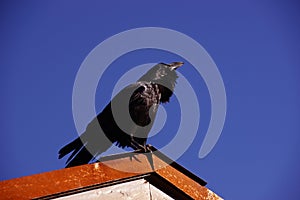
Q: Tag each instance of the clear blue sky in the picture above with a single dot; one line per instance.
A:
(255, 45)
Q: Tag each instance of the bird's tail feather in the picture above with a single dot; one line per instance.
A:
(79, 156)
(82, 157)
(74, 145)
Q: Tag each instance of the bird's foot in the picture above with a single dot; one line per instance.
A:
(137, 148)
(148, 148)
(144, 148)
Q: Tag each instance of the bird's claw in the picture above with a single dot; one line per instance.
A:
(145, 148)
(148, 148)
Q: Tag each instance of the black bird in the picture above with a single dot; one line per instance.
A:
(127, 119)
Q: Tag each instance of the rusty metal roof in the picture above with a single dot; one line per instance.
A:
(155, 167)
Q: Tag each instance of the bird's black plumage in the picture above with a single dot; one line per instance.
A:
(127, 119)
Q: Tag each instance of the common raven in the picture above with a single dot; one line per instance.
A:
(127, 119)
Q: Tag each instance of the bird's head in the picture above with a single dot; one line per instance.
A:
(162, 72)
(174, 65)
(164, 75)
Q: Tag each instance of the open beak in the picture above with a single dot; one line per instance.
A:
(175, 65)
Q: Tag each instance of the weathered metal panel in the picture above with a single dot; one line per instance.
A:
(104, 174)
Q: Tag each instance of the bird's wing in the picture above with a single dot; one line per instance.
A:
(142, 100)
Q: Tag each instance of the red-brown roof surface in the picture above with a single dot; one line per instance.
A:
(110, 170)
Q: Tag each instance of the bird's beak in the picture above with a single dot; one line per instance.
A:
(175, 65)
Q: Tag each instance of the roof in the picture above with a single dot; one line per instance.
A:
(154, 167)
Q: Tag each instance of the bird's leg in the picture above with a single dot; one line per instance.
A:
(137, 147)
